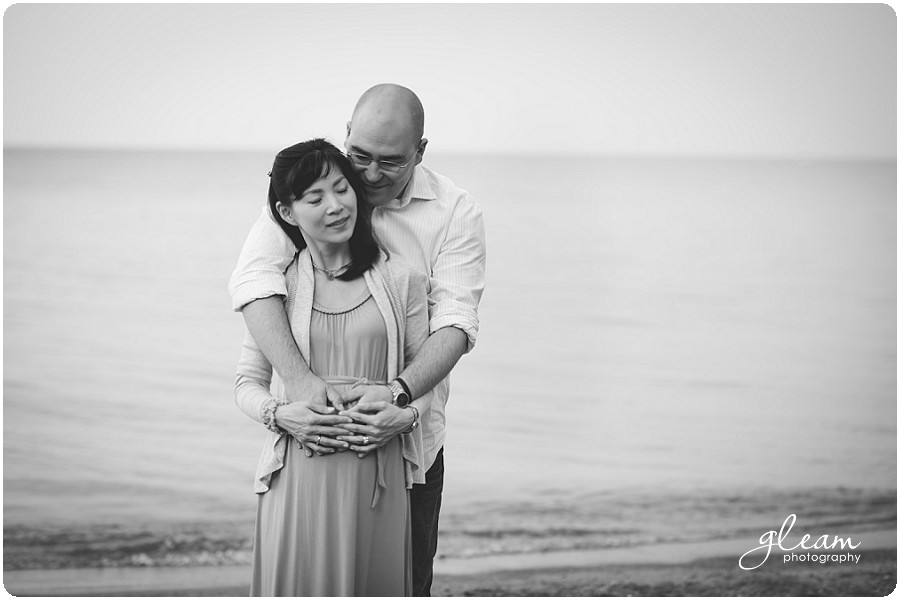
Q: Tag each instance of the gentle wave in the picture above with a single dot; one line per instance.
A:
(554, 524)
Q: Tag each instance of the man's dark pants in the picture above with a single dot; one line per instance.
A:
(425, 507)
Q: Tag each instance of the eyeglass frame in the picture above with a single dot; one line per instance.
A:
(381, 164)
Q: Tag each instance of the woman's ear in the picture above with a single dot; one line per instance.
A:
(286, 214)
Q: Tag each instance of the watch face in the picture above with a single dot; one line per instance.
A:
(401, 398)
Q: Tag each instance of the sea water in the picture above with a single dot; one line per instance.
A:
(706, 340)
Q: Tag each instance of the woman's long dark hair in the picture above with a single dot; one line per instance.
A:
(295, 169)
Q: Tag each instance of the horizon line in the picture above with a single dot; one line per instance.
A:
(784, 156)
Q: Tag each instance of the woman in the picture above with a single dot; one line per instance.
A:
(335, 525)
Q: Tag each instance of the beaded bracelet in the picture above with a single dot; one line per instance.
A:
(268, 414)
(415, 422)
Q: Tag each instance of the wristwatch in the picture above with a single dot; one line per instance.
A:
(399, 393)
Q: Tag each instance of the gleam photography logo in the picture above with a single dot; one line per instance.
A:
(772, 538)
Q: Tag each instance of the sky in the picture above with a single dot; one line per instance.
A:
(801, 80)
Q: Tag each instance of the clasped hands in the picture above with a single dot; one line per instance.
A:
(362, 418)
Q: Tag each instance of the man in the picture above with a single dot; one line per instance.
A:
(438, 229)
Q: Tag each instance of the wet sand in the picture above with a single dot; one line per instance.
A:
(654, 572)
(875, 575)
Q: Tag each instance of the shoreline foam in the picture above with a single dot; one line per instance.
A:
(589, 523)
(566, 573)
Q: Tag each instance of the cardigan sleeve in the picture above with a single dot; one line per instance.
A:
(253, 380)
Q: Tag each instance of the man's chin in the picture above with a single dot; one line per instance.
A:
(378, 196)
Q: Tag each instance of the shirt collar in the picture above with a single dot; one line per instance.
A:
(416, 189)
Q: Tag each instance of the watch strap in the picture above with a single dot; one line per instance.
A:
(405, 387)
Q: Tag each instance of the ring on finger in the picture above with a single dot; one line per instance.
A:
(318, 439)
(365, 440)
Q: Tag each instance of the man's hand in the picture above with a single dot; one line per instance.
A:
(314, 394)
(316, 427)
(313, 391)
(366, 394)
(376, 420)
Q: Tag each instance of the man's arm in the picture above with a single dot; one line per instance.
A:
(436, 358)
(458, 275)
(457, 283)
(377, 417)
(252, 393)
(259, 272)
(257, 285)
(268, 324)
(307, 417)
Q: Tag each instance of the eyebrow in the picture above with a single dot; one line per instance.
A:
(319, 190)
(393, 157)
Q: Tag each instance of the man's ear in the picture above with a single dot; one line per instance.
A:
(420, 152)
(286, 214)
(348, 129)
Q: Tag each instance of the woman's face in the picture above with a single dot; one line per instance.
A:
(326, 212)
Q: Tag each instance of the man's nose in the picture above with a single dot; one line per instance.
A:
(372, 172)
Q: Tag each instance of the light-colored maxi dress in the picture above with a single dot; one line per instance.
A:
(330, 525)
(337, 525)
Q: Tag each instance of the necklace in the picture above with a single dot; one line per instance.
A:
(331, 273)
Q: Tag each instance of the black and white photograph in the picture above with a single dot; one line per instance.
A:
(412, 299)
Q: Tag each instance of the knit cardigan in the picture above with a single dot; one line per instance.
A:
(401, 296)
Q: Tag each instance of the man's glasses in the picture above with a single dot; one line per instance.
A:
(388, 166)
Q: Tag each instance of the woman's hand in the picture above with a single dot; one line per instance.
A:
(316, 427)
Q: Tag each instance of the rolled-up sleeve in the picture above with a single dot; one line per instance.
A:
(414, 447)
(457, 279)
(260, 268)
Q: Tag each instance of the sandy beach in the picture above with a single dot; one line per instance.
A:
(875, 575)
(706, 569)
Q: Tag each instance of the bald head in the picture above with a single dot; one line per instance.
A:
(391, 105)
